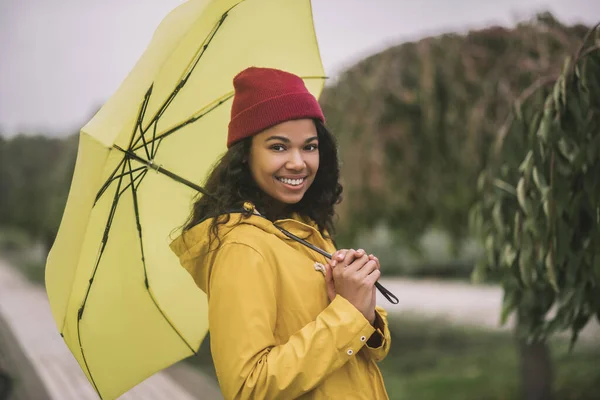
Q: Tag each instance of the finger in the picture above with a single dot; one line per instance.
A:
(369, 267)
(338, 266)
(349, 257)
(340, 255)
(357, 264)
(328, 273)
(373, 277)
(372, 257)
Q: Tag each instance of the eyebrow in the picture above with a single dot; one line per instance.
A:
(286, 140)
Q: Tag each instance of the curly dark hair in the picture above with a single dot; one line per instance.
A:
(231, 184)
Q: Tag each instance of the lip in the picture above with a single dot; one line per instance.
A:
(293, 188)
(292, 177)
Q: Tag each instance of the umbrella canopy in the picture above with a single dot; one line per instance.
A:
(124, 306)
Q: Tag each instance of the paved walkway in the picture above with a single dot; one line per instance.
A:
(25, 309)
(18, 379)
(457, 302)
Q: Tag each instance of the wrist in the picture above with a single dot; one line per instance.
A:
(371, 318)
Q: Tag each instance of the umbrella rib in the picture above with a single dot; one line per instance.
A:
(146, 282)
(158, 142)
(141, 115)
(159, 169)
(140, 119)
(188, 73)
(153, 139)
(188, 121)
(85, 361)
(108, 182)
(112, 179)
(137, 179)
(91, 281)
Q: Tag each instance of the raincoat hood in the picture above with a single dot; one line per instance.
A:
(196, 252)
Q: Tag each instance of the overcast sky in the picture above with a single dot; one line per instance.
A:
(61, 59)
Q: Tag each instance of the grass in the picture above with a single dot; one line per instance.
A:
(436, 360)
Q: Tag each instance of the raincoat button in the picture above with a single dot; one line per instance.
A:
(320, 267)
(363, 338)
(350, 352)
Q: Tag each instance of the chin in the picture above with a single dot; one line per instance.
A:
(290, 200)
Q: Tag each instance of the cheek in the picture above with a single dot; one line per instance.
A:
(263, 167)
(313, 163)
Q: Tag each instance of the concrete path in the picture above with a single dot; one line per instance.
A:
(457, 302)
(23, 382)
(25, 309)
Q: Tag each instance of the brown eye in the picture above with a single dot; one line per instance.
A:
(312, 147)
(277, 147)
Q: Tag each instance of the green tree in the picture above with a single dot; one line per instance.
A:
(35, 175)
(415, 123)
(539, 208)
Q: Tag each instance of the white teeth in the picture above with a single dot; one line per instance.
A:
(293, 182)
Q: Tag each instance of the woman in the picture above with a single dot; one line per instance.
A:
(285, 322)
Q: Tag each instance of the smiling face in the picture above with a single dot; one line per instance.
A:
(284, 159)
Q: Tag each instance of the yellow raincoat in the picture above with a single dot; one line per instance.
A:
(274, 332)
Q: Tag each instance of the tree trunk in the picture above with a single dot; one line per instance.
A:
(536, 370)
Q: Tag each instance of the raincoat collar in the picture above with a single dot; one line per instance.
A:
(194, 248)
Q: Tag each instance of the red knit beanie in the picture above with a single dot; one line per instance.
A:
(265, 97)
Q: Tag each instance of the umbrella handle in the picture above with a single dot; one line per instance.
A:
(384, 292)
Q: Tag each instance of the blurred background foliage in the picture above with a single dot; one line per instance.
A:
(415, 125)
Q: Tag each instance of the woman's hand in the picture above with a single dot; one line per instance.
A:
(354, 274)
(339, 256)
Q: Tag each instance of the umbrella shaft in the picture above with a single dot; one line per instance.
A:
(158, 168)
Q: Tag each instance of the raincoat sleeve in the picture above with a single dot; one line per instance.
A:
(249, 362)
(378, 345)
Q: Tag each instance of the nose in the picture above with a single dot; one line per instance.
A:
(295, 162)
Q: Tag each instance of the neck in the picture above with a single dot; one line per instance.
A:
(275, 210)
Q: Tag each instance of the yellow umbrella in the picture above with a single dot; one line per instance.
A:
(124, 306)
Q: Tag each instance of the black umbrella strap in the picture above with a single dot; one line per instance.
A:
(385, 293)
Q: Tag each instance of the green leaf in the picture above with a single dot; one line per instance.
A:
(551, 271)
(556, 93)
(509, 304)
(539, 180)
(479, 273)
(500, 184)
(527, 164)
(497, 217)
(546, 207)
(489, 249)
(544, 131)
(509, 255)
(526, 261)
(517, 229)
(521, 193)
(518, 111)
